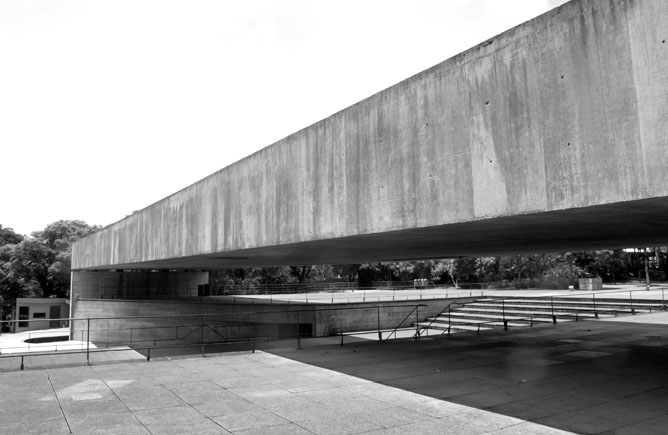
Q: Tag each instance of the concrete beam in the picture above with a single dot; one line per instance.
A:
(552, 135)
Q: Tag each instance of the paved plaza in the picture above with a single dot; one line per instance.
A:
(583, 377)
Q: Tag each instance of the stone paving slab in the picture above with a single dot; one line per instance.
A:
(589, 377)
(208, 396)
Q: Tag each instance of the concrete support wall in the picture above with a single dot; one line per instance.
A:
(566, 111)
(137, 284)
(155, 322)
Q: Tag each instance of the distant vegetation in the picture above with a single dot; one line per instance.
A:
(547, 271)
(38, 265)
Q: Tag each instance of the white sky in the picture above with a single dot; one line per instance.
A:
(109, 106)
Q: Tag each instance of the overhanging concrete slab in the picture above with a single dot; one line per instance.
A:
(551, 136)
(635, 223)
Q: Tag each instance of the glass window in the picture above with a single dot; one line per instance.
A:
(24, 314)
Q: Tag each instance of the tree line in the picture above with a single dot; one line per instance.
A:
(544, 270)
(38, 265)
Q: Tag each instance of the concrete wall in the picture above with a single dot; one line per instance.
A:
(137, 284)
(149, 323)
(566, 111)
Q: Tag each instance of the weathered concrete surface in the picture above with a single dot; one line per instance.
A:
(136, 284)
(550, 136)
(141, 323)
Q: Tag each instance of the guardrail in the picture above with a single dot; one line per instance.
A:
(364, 295)
(565, 296)
(205, 332)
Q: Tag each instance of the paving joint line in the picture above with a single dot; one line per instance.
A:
(265, 409)
(192, 407)
(60, 405)
(119, 399)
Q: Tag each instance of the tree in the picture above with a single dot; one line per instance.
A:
(611, 262)
(347, 271)
(404, 270)
(456, 268)
(30, 261)
(12, 285)
(9, 237)
(38, 265)
(486, 268)
(60, 235)
(301, 272)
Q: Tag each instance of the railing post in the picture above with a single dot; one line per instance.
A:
(449, 318)
(299, 339)
(554, 318)
(22, 366)
(88, 341)
(417, 322)
(201, 335)
(380, 336)
(593, 296)
(148, 354)
(633, 311)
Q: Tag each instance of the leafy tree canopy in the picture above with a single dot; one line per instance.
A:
(38, 265)
(8, 236)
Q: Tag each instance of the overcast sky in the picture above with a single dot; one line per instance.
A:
(109, 106)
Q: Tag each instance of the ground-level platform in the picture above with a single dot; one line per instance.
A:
(585, 377)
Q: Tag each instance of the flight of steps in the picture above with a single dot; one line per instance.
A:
(512, 312)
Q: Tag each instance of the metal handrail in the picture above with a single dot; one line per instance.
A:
(566, 296)
(187, 327)
(447, 308)
(394, 331)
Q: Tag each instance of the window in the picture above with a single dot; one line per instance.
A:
(39, 315)
(24, 314)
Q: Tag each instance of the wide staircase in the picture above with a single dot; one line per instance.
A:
(508, 312)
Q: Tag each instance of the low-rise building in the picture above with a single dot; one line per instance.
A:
(41, 313)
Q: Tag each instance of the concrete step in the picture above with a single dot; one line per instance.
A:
(527, 308)
(466, 317)
(454, 328)
(576, 302)
(490, 313)
(560, 307)
(520, 313)
(475, 323)
(545, 311)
